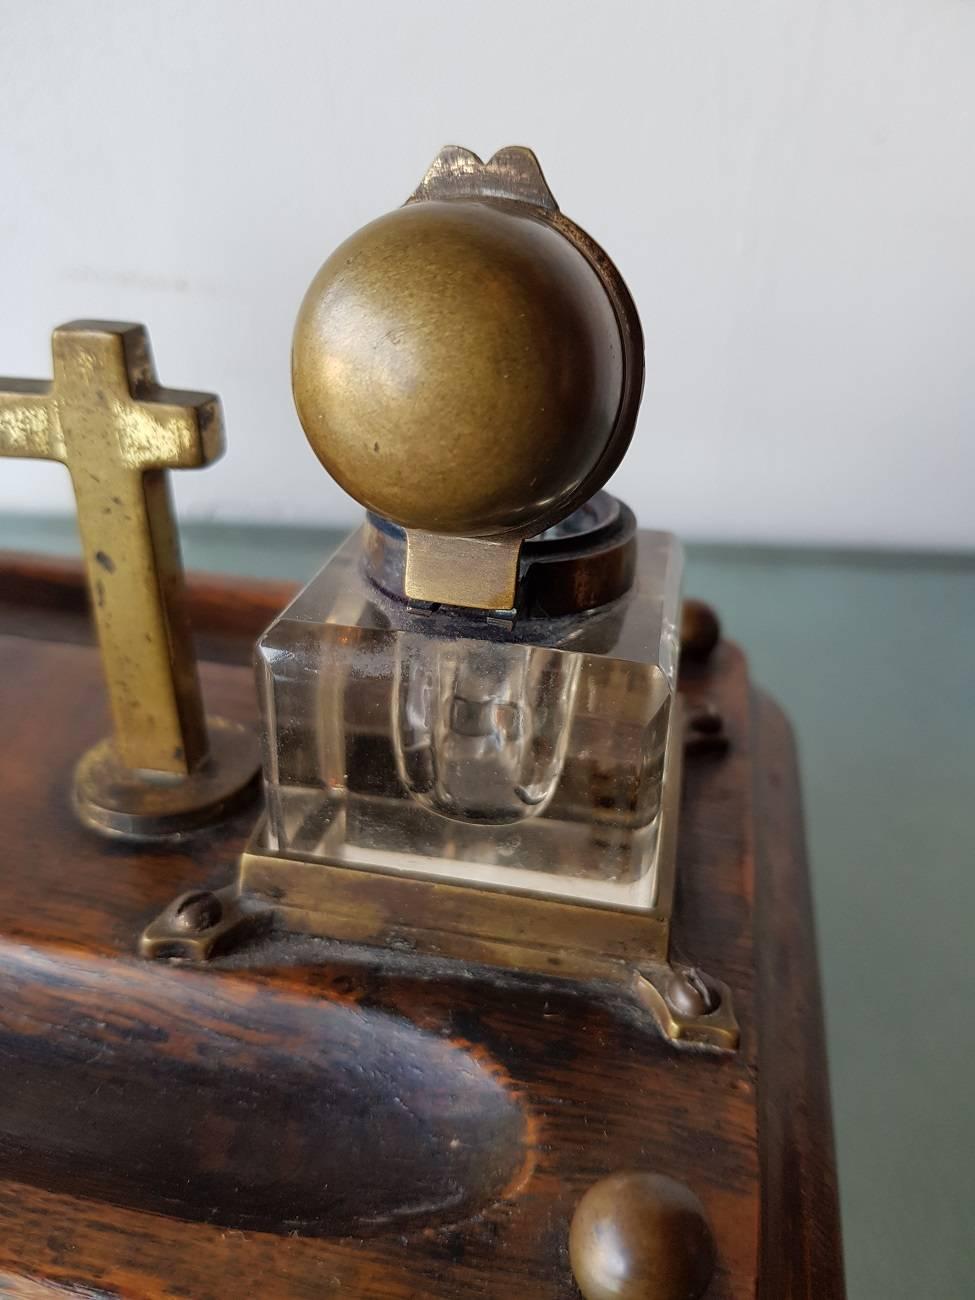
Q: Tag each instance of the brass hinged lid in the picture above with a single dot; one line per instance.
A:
(470, 367)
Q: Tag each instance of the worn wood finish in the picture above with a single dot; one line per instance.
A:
(301, 1121)
(800, 1201)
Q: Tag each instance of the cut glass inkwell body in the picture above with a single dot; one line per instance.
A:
(522, 755)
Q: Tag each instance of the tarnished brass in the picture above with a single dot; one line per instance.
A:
(470, 367)
(599, 946)
(512, 173)
(641, 1236)
(197, 926)
(481, 569)
(137, 803)
(107, 419)
(587, 561)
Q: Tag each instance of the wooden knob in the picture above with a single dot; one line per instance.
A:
(641, 1236)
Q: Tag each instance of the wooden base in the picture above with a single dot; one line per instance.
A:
(298, 1119)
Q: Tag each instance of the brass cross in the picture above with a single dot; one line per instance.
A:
(105, 417)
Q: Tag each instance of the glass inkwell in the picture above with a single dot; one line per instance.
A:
(472, 733)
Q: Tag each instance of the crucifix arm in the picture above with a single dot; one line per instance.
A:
(28, 420)
(168, 428)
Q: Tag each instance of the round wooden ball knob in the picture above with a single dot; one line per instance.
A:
(458, 368)
(641, 1236)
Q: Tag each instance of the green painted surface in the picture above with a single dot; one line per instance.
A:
(872, 657)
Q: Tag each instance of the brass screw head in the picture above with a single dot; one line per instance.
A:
(458, 367)
(641, 1236)
(689, 995)
(197, 911)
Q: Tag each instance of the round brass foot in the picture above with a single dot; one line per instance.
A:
(119, 802)
(641, 1236)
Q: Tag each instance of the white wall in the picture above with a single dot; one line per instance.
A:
(788, 187)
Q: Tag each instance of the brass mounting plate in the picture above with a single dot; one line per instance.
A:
(432, 918)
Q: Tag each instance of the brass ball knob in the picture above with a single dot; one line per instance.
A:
(641, 1236)
(458, 367)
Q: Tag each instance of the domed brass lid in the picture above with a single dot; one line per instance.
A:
(470, 367)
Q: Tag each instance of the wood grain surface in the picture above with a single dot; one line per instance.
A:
(299, 1120)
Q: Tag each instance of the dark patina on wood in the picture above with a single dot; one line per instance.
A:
(302, 1120)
